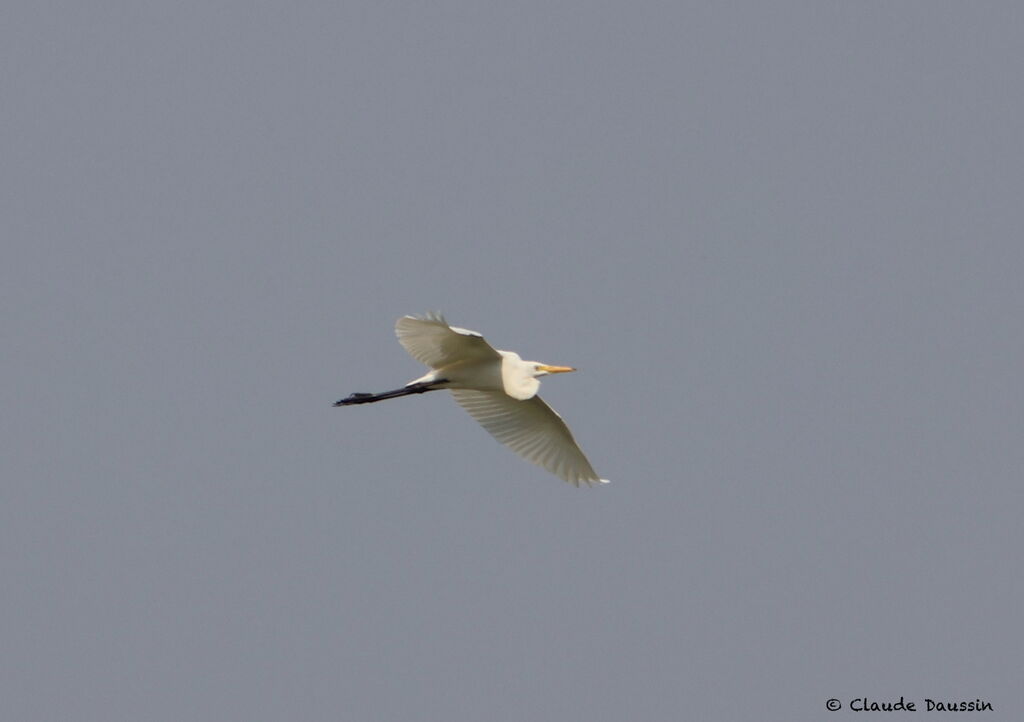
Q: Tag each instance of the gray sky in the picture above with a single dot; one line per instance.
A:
(782, 242)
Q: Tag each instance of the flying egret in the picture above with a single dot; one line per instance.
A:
(497, 388)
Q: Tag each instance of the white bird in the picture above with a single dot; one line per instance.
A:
(497, 388)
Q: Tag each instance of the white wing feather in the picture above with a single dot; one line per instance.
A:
(532, 429)
(430, 340)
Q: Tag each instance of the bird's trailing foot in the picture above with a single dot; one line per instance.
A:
(368, 398)
(356, 398)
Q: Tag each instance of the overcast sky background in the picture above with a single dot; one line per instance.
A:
(783, 242)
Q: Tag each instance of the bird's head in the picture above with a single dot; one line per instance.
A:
(521, 378)
(539, 369)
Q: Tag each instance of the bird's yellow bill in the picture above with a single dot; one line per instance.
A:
(556, 369)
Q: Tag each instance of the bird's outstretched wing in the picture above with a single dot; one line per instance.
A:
(430, 340)
(532, 429)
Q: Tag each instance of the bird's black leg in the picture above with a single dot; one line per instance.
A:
(365, 398)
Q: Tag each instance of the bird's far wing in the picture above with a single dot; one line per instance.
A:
(430, 340)
(532, 429)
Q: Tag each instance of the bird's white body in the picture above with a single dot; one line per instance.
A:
(505, 376)
(497, 388)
